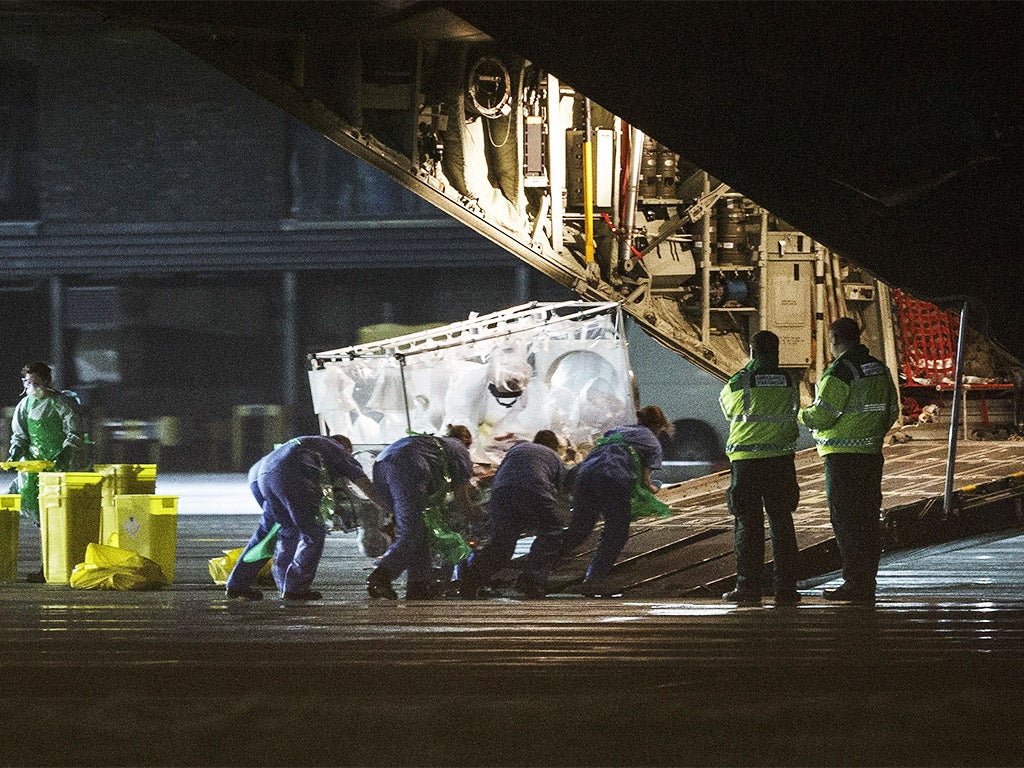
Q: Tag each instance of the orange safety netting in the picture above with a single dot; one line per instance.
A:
(928, 338)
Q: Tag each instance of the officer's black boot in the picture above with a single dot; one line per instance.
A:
(378, 584)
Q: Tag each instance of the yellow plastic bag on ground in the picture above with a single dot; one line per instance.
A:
(115, 568)
(27, 465)
(221, 567)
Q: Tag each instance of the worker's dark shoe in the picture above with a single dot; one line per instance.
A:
(468, 588)
(451, 589)
(378, 584)
(599, 588)
(842, 594)
(419, 590)
(244, 594)
(36, 578)
(309, 594)
(529, 589)
(787, 597)
(741, 598)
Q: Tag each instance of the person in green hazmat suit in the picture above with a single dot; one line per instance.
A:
(47, 425)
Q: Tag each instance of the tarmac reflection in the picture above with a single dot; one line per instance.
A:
(931, 675)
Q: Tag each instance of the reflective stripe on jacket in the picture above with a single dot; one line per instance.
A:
(854, 405)
(760, 402)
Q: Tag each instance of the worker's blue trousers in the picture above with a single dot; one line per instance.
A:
(514, 511)
(403, 484)
(600, 493)
(294, 502)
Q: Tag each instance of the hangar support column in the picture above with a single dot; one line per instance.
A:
(290, 356)
(58, 356)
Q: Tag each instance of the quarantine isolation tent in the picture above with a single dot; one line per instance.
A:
(560, 366)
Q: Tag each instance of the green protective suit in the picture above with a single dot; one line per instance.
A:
(42, 428)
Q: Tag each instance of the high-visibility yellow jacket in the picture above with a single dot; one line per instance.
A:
(854, 405)
(761, 403)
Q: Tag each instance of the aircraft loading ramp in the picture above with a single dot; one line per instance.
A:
(691, 552)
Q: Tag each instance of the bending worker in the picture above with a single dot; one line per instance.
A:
(854, 406)
(407, 474)
(761, 402)
(523, 497)
(288, 484)
(603, 487)
(47, 425)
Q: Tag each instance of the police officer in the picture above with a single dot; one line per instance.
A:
(761, 402)
(855, 405)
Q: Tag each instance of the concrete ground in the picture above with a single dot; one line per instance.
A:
(933, 675)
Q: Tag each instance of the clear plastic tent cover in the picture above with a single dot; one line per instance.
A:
(559, 366)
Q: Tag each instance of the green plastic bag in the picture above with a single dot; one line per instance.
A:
(327, 494)
(265, 548)
(443, 540)
(449, 544)
(642, 502)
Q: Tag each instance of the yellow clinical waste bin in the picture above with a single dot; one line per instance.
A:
(69, 520)
(10, 513)
(121, 479)
(148, 524)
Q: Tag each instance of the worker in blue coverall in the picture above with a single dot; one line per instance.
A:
(288, 483)
(603, 487)
(523, 497)
(406, 474)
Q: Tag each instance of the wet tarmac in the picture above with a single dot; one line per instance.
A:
(932, 675)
